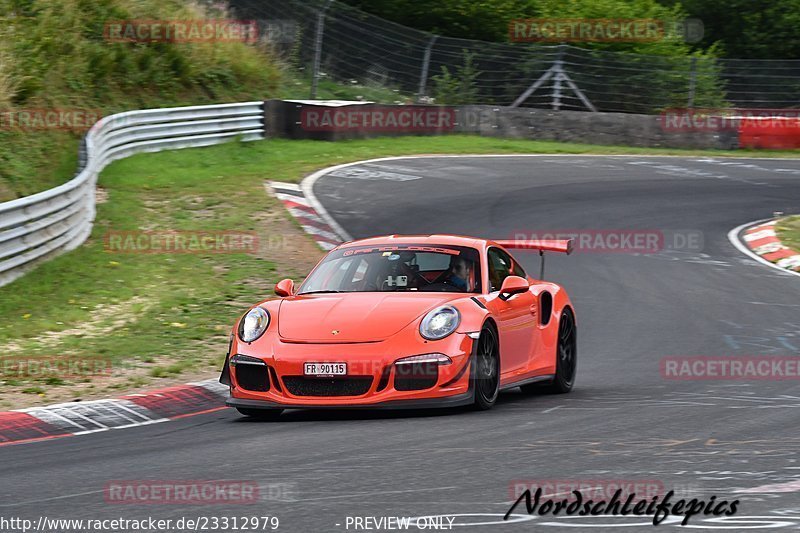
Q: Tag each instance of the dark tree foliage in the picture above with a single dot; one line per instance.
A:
(749, 29)
(738, 28)
(485, 20)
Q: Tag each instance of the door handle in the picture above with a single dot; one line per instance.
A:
(533, 309)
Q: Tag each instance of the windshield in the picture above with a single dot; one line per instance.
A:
(397, 268)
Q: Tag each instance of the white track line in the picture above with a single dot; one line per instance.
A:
(308, 190)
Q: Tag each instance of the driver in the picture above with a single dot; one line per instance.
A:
(459, 274)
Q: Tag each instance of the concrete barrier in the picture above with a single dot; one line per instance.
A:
(321, 121)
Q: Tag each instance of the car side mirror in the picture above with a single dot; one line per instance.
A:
(513, 285)
(285, 287)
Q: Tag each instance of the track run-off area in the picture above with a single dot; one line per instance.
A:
(626, 421)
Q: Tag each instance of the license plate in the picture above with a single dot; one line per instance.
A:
(325, 369)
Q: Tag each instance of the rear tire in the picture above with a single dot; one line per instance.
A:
(566, 354)
(486, 371)
(566, 359)
(260, 414)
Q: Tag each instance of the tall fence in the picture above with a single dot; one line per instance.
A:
(339, 42)
(42, 225)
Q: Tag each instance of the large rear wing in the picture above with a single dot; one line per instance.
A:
(550, 245)
(563, 246)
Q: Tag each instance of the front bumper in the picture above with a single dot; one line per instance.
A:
(373, 380)
(457, 400)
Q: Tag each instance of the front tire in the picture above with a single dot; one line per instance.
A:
(260, 414)
(486, 373)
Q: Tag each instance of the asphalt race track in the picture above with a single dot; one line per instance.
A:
(623, 421)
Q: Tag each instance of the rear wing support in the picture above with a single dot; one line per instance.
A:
(554, 245)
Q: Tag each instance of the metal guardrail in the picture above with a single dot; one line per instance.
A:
(42, 225)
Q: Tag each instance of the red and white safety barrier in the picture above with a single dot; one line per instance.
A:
(78, 418)
(762, 240)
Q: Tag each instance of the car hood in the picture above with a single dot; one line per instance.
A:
(355, 317)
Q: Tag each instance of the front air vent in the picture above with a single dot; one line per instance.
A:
(342, 386)
(415, 376)
(250, 373)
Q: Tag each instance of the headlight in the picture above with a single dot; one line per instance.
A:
(254, 324)
(440, 323)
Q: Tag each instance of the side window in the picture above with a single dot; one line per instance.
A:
(517, 269)
(500, 265)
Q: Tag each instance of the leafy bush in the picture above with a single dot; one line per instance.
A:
(53, 54)
(459, 87)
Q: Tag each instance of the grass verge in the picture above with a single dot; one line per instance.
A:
(160, 317)
(788, 230)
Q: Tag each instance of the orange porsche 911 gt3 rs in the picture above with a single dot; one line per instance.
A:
(405, 322)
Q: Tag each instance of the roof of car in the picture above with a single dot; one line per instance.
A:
(428, 240)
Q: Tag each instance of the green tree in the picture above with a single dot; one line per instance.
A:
(758, 29)
(489, 20)
(486, 20)
(459, 87)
